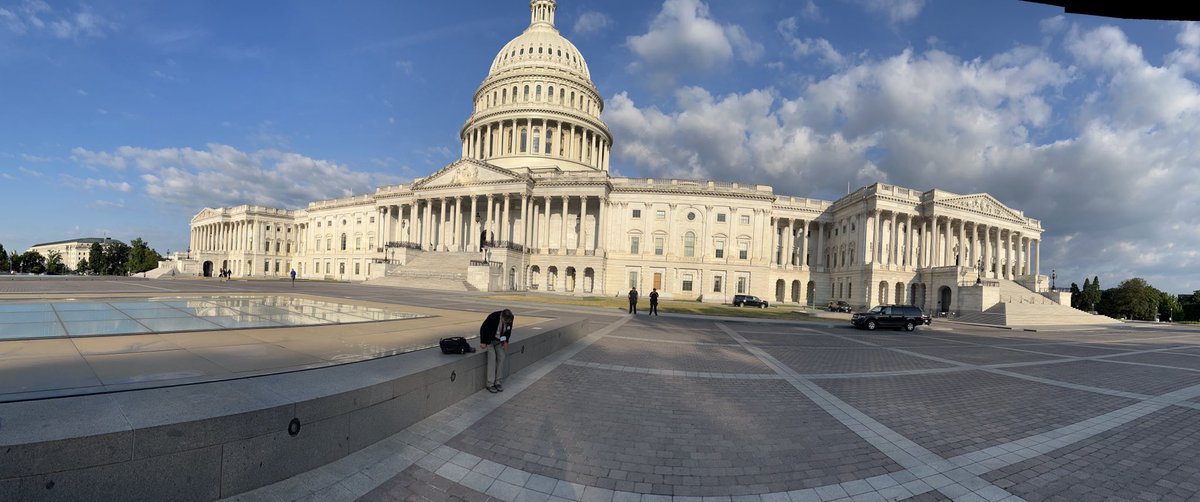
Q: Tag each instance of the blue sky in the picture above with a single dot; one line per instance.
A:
(126, 117)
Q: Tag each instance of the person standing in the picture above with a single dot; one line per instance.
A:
(633, 297)
(293, 277)
(653, 302)
(493, 340)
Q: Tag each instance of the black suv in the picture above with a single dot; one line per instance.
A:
(840, 306)
(749, 301)
(890, 316)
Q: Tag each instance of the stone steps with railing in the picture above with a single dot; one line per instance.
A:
(431, 270)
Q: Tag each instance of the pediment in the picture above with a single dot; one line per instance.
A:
(467, 172)
(986, 204)
(207, 213)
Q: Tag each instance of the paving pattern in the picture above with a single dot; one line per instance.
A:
(688, 409)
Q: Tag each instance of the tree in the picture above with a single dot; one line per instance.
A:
(30, 262)
(1169, 308)
(1133, 299)
(54, 263)
(1075, 291)
(116, 258)
(1090, 296)
(82, 267)
(4, 263)
(96, 259)
(1191, 306)
(141, 257)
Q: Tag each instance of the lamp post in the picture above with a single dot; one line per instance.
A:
(1053, 277)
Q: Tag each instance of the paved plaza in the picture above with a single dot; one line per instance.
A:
(675, 408)
(687, 408)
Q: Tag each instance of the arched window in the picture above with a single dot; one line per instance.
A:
(537, 96)
(524, 139)
(550, 94)
(572, 99)
(549, 142)
(526, 93)
(561, 94)
(504, 96)
(343, 242)
(537, 136)
(689, 244)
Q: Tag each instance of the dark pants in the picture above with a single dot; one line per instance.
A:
(653, 308)
(633, 307)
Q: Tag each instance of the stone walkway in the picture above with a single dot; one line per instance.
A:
(691, 410)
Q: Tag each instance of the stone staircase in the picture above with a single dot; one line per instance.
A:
(1021, 307)
(431, 270)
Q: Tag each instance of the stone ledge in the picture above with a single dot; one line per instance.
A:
(204, 441)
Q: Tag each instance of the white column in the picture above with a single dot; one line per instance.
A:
(562, 246)
(1037, 258)
(602, 239)
(803, 248)
(506, 224)
(524, 220)
(580, 246)
(987, 251)
(487, 222)
(544, 226)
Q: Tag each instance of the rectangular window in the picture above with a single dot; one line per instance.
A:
(658, 246)
(356, 265)
(637, 213)
(660, 214)
(658, 280)
(745, 219)
(357, 243)
(720, 249)
(716, 284)
(687, 282)
(743, 250)
(741, 286)
(372, 219)
(317, 267)
(266, 265)
(276, 266)
(371, 243)
(633, 279)
(633, 245)
(720, 217)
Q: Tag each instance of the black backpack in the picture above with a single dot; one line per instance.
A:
(455, 345)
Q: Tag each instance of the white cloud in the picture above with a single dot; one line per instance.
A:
(29, 172)
(897, 11)
(97, 159)
(108, 204)
(95, 184)
(811, 12)
(809, 46)
(405, 66)
(1114, 178)
(684, 38)
(37, 16)
(222, 175)
(591, 22)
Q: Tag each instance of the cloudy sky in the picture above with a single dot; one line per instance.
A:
(124, 118)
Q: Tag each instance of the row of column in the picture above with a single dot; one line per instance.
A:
(531, 136)
(792, 245)
(224, 236)
(449, 223)
(944, 241)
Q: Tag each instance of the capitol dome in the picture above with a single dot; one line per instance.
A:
(538, 108)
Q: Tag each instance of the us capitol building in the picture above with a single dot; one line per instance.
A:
(533, 187)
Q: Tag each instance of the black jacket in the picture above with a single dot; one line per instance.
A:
(487, 331)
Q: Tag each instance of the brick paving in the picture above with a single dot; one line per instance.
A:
(1157, 458)
(956, 413)
(710, 358)
(849, 360)
(1116, 376)
(682, 436)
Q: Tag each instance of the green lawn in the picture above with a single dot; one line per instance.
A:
(665, 306)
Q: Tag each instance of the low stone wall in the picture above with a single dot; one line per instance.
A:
(206, 441)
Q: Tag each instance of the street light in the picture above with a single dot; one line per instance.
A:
(1053, 276)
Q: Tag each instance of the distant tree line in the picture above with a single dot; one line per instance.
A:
(110, 258)
(1135, 299)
